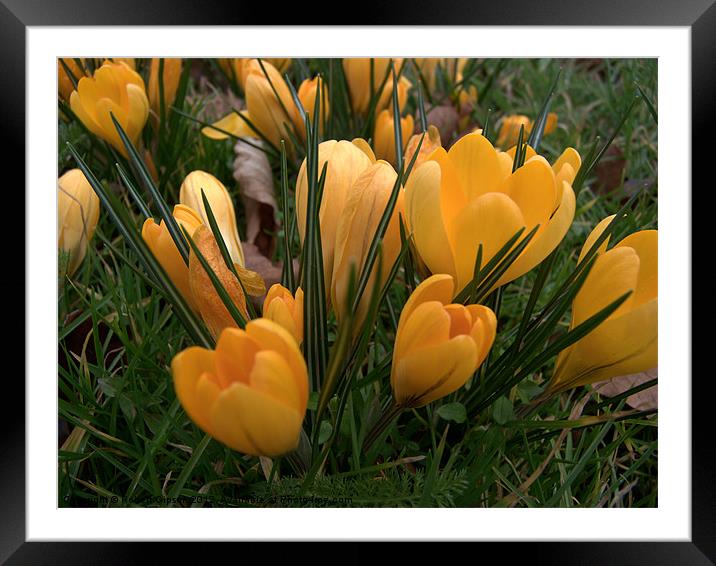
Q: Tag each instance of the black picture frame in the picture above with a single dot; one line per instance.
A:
(699, 15)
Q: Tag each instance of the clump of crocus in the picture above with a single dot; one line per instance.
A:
(510, 128)
(113, 89)
(250, 393)
(626, 342)
(469, 195)
(438, 345)
(384, 135)
(77, 216)
(286, 310)
(171, 73)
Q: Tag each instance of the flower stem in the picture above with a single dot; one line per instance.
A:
(390, 413)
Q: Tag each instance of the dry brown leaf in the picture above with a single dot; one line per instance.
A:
(271, 272)
(445, 119)
(253, 173)
(644, 400)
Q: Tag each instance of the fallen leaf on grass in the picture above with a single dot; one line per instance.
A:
(643, 400)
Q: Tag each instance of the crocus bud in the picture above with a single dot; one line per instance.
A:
(65, 86)
(162, 246)
(357, 223)
(438, 345)
(626, 342)
(250, 393)
(285, 309)
(171, 73)
(428, 67)
(273, 116)
(358, 76)
(115, 89)
(221, 205)
(307, 95)
(77, 215)
(346, 161)
(481, 201)
(431, 142)
(210, 305)
(386, 97)
(510, 128)
(384, 136)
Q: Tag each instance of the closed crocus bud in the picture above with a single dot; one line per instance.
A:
(428, 67)
(171, 73)
(469, 196)
(282, 64)
(162, 246)
(386, 97)
(358, 76)
(357, 224)
(626, 342)
(307, 95)
(250, 393)
(346, 161)
(77, 215)
(221, 205)
(273, 116)
(430, 143)
(115, 89)
(210, 305)
(438, 345)
(65, 85)
(286, 310)
(384, 136)
(510, 128)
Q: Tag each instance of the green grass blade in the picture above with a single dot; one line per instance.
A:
(541, 121)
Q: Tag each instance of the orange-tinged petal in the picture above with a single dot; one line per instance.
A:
(272, 337)
(211, 307)
(439, 287)
(254, 423)
(484, 329)
(427, 325)
(235, 354)
(434, 371)
(188, 367)
(460, 320)
(272, 375)
(570, 156)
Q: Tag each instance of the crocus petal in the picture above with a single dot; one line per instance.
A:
(490, 220)
(476, 164)
(644, 243)
(235, 353)
(254, 423)
(272, 375)
(424, 219)
(427, 325)
(533, 188)
(187, 368)
(231, 123)
(593, 236)
(434, 371)
(439, 287)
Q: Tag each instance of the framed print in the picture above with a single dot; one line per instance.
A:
(302, 287)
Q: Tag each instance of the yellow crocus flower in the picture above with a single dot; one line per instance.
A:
(117, 89)
(162, 246)
(627, 341)
(384, 135)
(358, 76)
(65, 86)
(307, 95)
(250, 393)
(357, 223)
(346, 161)
(510, 128)
(77, 216)
(221, 205)
(171, 73)
(468, 196)
(438, 345)
(285, 310)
